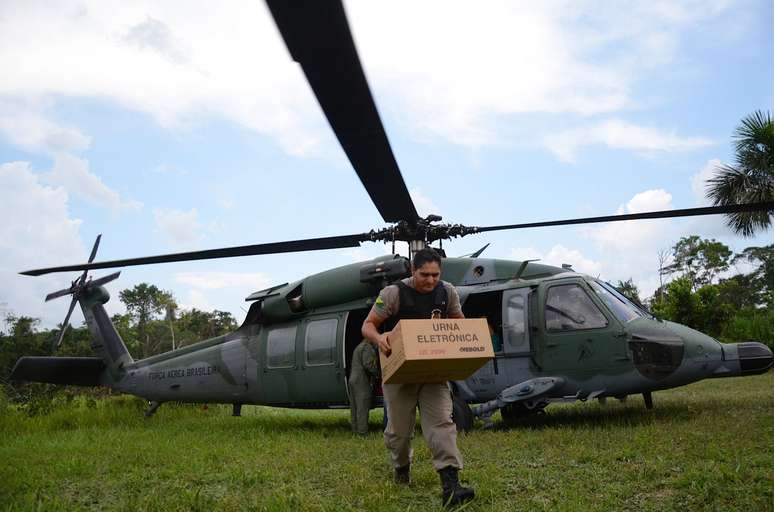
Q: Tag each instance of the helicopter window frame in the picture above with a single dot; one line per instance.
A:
(331, 347)
(617, 303)
(576, 320)
(278, 337)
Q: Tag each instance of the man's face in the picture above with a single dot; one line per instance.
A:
(426, 277)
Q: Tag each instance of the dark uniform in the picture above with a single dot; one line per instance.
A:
(362, 375)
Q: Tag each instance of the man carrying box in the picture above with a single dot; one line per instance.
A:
(421, 296)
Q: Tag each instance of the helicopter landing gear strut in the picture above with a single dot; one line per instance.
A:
(648, 397)
(513, 413)
(237, 411)
(152, 407)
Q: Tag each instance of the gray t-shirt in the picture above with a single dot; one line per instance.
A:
(388, 302)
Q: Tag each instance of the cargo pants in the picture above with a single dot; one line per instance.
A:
(360, 397)
(438, 429)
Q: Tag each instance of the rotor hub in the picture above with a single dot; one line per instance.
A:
(422, 230)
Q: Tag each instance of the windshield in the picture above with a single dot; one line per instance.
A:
(621, 307)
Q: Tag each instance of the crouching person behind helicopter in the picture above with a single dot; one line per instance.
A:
(362, 377)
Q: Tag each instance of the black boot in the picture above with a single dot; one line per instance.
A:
(452, 492)
(403, 475)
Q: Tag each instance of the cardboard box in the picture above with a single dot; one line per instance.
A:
(436, 350)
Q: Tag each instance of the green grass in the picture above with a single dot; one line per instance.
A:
(708, 446)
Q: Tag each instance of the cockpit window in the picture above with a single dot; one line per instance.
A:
(569, 308)
(621, 307)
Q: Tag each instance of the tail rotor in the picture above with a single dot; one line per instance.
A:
(76, 289)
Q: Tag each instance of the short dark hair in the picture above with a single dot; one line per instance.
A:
(426, 255)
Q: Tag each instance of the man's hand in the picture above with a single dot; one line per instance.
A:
(383, 342)
(370, 331)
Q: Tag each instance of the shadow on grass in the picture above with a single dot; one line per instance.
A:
(600, 418)
(597, 415)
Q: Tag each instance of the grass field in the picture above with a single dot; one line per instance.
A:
(708, 446)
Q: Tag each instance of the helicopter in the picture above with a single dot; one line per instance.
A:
(565, 336)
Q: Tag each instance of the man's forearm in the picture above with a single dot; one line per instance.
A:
(370, 332)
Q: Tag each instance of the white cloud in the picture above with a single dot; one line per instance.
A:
(25, 127)
(526, 253)
(37, 231)
(708, 225)
(629, 249)
(557, 256)
(454, 72)
(219, 280)
(618, 134)
(179, 63)
(182, 229)
(73, 173)
(700, 179)
(424, 204)
(196, 299)
(635, 234)
(608, 263)
(157, 36)
(478, 64)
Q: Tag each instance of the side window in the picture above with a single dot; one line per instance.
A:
(515, 320)
(320, 341)
(569, 308)
(281, 347)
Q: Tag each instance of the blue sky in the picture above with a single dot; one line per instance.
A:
(185, 125)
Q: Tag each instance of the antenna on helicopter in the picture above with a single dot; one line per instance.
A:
(522, 268)
(76, 289)
(475, 254)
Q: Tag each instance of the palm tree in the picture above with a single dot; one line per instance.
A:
(751, 180)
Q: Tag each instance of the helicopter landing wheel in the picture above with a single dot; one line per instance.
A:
(462, 416)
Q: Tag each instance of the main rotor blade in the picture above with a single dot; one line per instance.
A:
(310, 244)
(317, 35)
(664, 214)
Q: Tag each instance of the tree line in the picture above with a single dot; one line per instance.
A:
(697, 290)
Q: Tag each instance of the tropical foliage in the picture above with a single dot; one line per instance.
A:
(735, 308)
(751, 178)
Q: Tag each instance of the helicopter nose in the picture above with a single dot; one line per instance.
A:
(754, 358)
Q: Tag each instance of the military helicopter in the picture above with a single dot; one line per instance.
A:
(565, 336)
